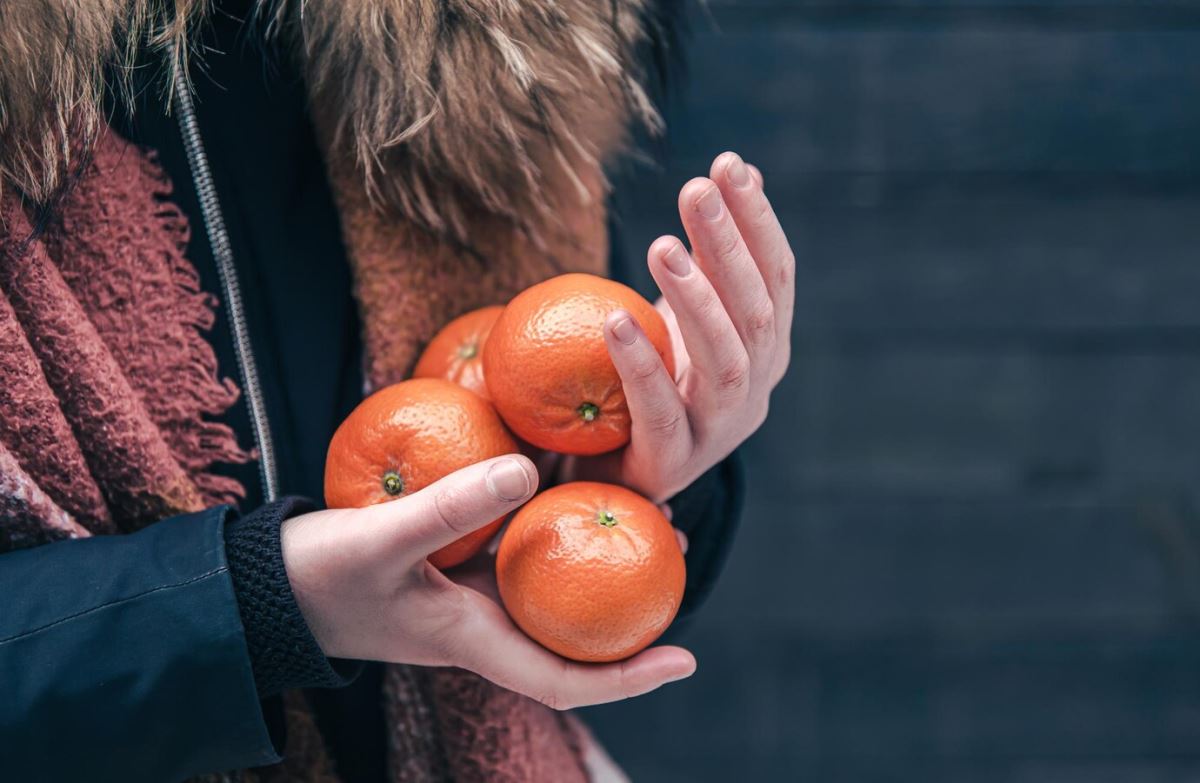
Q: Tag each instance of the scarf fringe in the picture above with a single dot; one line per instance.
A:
(156, 328)
(195, 442)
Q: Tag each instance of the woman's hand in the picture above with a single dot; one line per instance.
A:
(728, 306)
(362, 581)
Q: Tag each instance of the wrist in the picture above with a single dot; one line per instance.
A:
(306, 557)
(284, 651)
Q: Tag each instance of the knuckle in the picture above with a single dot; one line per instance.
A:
(555, 691)
(760, 326)
(727, 243)
(552, 699)
(764, 214)
(733, 377)
(452, 507)
(709, 307)
(785, 276)
(667, 424)
(645, 369)
(627, 685)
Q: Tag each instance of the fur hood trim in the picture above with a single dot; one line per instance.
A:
(448, 109)
(55, 56)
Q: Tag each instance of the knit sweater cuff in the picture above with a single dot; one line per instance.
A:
(283, 652)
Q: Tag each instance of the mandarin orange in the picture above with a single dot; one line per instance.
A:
(547, 366)
(591, 571)
(456, 352)
(406, 436)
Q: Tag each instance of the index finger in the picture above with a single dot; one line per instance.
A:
(659, 419)
(762, 233)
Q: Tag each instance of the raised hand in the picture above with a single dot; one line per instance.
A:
(729, 307)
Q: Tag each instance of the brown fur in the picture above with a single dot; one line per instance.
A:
(450, 108)
(446, 108)
(53, 60)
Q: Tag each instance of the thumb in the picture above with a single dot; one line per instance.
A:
(456, 505)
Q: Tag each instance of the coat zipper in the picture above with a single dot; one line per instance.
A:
(218, 239)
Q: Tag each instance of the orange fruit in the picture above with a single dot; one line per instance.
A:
(456, 352)
(547, 366)
(591, 571)
(406, 436)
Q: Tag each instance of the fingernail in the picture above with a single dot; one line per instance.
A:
(709, 205)
(507, 480)
(677, 261)
(625, 330)
(684, 676)
(739, 175)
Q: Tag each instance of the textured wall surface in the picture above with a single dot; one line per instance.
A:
(972, 546)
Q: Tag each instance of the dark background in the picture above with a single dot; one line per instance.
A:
(972, 548)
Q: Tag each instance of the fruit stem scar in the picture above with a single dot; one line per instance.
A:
(589, 411)
(606, 518)
(468, 351)
(392, 483)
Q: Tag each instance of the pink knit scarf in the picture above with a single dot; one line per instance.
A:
(107, 391)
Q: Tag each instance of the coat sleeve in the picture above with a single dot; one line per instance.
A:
(708, 512)
(124, 658)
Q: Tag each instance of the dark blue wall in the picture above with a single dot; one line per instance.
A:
(972, 546)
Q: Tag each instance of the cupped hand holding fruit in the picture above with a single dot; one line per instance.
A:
(728, 308)
(363, 581)
(586, 570)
